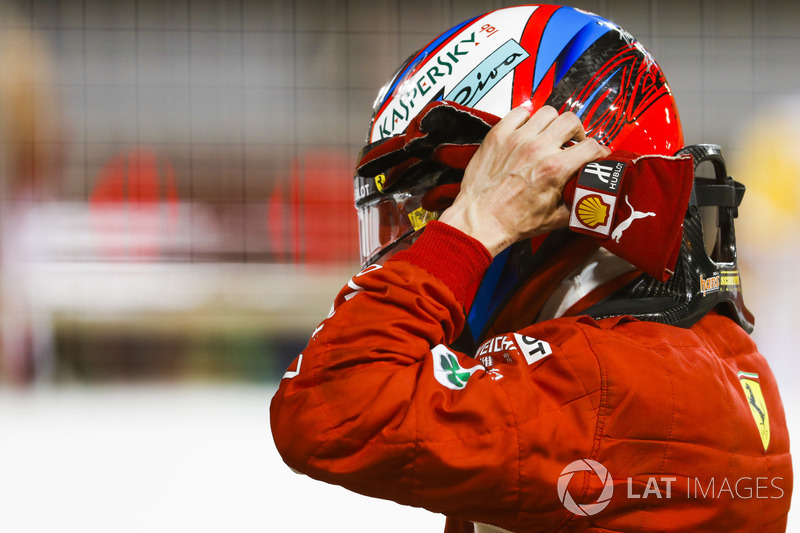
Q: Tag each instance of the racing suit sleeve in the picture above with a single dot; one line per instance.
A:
(379, 404)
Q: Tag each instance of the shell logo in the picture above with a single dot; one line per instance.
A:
(592, 211)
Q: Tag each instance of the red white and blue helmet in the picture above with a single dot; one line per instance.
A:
(531, 55)
(540, 55)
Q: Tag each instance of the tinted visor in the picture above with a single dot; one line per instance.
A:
(391, 220)
(381, 224)
(390, 212)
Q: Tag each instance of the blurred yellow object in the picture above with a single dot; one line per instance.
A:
(31, 145)
(767, 161)
(30, 129)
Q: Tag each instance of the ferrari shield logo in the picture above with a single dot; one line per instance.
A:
(752, 392)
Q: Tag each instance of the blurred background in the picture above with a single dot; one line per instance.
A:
(176, 217)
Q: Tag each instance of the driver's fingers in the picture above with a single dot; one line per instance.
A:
(577, 155)
(511, 122)
(564, 128)
(542, 119)
(520, 118)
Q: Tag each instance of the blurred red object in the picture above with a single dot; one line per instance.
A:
(311, 218)
(133, 204)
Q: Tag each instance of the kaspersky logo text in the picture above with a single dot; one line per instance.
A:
(413, 92)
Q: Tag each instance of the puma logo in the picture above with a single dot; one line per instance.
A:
(625, 224)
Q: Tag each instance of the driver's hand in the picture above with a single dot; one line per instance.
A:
(512, 186)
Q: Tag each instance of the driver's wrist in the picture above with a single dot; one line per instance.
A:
(478, 226)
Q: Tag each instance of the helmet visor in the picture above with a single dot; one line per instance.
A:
(390, 223)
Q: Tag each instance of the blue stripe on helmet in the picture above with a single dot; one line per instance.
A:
(562, 28)
(580, 43)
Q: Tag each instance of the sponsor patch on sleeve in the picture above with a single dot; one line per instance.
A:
(602, 176)
(533, 349)
(596, 195)
(448, 370)
(592, 212)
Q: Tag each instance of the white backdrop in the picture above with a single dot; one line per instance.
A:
(166, 460)
(171, 460)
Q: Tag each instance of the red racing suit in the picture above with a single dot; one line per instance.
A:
(571, 424)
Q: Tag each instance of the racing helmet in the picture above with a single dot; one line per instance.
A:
(530, 55)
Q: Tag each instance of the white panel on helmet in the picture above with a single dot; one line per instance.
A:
(498, 100)
(445, 70)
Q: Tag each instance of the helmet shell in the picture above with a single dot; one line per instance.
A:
(536, 55)
(531, 55)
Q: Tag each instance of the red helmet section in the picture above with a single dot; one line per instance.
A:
(541, 55)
